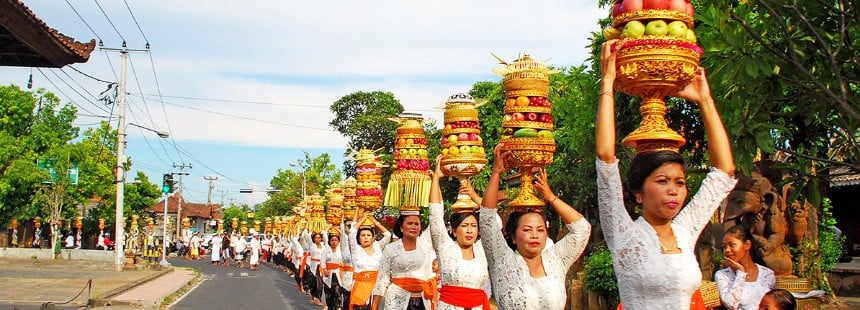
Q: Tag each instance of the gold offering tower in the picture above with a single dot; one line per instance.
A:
(527, 127)
(463, 153)
(409, 187)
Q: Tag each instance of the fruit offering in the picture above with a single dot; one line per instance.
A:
(463, 153)
(349, 188)
(527, 126)
(316, 223)
(409, 187)
(334, 211)
(658, 59)
(368, 185)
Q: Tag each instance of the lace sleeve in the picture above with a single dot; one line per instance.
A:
(386, 239)
(698, 212)
(614, 219)
(731, 286)
(570, 247)
(384, 277)
(353, 243)
(437, 226)
(344, 245)
(491, 235)
(769, 280)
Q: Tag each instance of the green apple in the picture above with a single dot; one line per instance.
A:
(678, 29)
(465, 149)
(633, 29)
(475, 149)
(656, 28)
(611, 33)
(691, 35)
(452, 139)
(545, 134)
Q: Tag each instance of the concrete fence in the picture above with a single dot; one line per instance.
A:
(69, 254)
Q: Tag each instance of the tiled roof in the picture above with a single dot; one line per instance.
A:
(189, 209)
(29, 41)
(843, 176)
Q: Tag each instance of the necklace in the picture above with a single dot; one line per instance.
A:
(669, 250)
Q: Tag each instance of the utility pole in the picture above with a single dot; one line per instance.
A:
(119, 253)
(179, 199)
(211, 180)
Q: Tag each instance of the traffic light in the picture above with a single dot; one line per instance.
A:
(167, 185)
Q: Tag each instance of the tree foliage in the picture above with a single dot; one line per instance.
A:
(318, 173)
(362, 117)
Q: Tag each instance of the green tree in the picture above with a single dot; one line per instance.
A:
(362, 117)
(319, 172)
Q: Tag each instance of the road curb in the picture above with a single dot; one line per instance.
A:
(105, 299)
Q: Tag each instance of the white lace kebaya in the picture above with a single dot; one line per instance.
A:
(455, 270)
(513, 286)
(647, 278)
(396, 262)
(738, 294)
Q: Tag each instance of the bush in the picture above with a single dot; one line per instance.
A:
(599, 275)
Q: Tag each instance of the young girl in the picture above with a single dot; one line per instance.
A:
(743, 284)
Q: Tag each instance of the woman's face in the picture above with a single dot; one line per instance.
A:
(333, 242)
(663, 192)
(734, 248)
(768, 302)
(317, 238)
(467, 232)
(365, 238)
(530, 235)
(411, 226)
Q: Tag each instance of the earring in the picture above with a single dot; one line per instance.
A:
(638, 200)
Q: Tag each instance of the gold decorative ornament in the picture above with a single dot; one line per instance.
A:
(409, 186)
(464, 204)
(527, 127)
(463, 153)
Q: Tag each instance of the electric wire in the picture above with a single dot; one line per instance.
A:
(140, 90)
(83, 20)
(145, 139)
(212, 169)
(166, 153)
(79, 84)
(163, 107)
(62, 92)
(135, 22)
(244, 101)
(245, 118)
(76, 91)
(88, 75)
(110, 21)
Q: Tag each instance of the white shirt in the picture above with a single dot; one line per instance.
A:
(398, 263)
(334, 257)
(738, 294)
(456, 270)
(513, 286)
(641, 269)
(360, 260)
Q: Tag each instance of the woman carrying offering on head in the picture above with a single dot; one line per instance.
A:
(366, 253)
(315, 267)
(745, 281)
(653, 255)
(406, 279)
(462, 262)
(331, 265)
(524, 273)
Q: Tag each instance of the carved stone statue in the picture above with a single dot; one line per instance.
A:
(755, 204)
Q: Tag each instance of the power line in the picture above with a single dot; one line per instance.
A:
(89, 76)
(79, 84)
(136, 23)
(110, 22)
(140, 90)
(161, 143)
(63, 93)
(213, 170)
(245, 101)
(145, 139)
(83, 20)
(246, 118)
(76, 91)
(163, 108)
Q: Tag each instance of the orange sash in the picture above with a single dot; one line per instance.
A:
(362, 288)
(464, 297)
(696, 302)
(302, 265)
(428, 287)
(332, 266)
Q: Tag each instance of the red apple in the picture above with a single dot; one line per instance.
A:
(463, 137)
(517, 116)
(678, 5)
(546, 118)
(655, 4)
(473, 137)
(444, 141)
(616, 9)
(628, 6)
(690, 10)
(532, 116)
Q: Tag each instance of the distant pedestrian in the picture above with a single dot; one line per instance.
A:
(195, 246)
(215, 256)
(255, 251)
(240, 251)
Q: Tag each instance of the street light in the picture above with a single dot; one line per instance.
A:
(304, 183)
(161, 134)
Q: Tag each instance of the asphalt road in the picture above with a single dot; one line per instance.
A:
(234, 288)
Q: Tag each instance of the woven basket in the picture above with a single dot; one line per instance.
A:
(710, 294)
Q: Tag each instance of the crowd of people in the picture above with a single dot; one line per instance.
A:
(471, 257)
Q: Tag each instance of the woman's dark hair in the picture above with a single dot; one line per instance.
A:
(370, 229)
(644, 164)
(512, 224)
(333, 236)
(457, 218)
(396, 229)
(743, 234)
(314, 236)
(783, 298)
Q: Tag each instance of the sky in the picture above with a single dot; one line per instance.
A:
(244, 87)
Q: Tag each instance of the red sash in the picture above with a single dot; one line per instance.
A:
(464, 297)
(302, 265)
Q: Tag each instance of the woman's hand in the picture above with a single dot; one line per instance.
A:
(698, 91)
(467, 189)
(728, 262)
(499, 159)
(437, 174)
(542, 185)
(608, 52)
